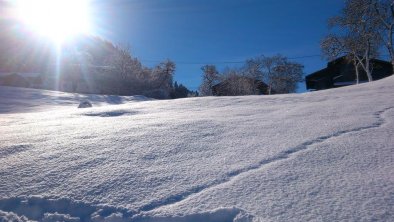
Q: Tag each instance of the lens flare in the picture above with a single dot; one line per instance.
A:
(56, 19)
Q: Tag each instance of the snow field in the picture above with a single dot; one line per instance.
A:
(319, 156)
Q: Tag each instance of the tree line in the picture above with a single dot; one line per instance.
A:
(110, 68)
(278, 74)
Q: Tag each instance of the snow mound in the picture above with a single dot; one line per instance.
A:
(85, 104)
(217, 215)
(7, 217)
(48, 217)
(22, 100)
(112, 113)
(35, 208)
(45, 209)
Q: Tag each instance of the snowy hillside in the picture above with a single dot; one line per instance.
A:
(323, 156)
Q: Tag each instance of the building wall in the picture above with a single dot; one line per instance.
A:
(341, 72)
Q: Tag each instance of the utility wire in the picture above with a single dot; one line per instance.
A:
(220, 62)
(197, 63)
(227, 62)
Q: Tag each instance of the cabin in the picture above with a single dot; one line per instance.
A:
(341, 72)
(237, 86)
(26, 80)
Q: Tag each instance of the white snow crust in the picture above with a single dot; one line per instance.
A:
(321, 156)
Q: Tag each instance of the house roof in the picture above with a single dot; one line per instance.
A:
(256, 81)
(343, 59)
(317, 75)
(260, 85)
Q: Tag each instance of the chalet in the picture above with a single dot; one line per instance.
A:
(27, 80)
(68, 81)
(341, 72)
(240, 86)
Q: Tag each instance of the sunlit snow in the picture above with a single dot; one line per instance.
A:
(322, 156)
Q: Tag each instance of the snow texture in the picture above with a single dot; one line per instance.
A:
(5, 217)
(322, 156)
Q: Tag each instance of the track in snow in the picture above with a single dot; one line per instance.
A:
(280, 157)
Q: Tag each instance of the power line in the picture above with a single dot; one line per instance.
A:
(304, 57)
(193, 63)
(221, 62)
(228, 62)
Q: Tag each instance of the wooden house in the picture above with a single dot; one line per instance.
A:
(341, 72)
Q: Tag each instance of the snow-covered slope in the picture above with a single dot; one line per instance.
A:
(17, 100)
(323, 156)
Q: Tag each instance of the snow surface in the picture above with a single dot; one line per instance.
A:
(322, 156)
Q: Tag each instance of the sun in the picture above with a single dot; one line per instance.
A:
(58, 20)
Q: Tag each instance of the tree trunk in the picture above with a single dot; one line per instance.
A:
(357, 72)
(392, 64)
(367, 62)
(390, 40)
(390, 45)
(390, 28)
(365, 66)
(368, 70)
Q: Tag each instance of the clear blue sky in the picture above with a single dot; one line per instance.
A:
(215, 31)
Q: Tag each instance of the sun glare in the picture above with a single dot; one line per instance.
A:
(56, 19)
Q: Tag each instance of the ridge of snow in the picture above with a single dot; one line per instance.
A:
(43, 209)
(22, 100)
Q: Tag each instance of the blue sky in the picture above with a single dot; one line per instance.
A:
(195, 32)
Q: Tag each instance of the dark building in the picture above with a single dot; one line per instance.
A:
(14, 79)
(341, 72)
(26, 80)
(238, 86)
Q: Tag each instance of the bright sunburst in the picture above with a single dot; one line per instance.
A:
(56, 19)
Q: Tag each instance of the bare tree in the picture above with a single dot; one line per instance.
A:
(253, 70)
(127, 75)
(286, 76)
(236, 83)
(359, 40)
(269, 64)
(121, 68)
(277, 72)
(120, 62)
(209, 79)
(164, 74)
(384, 12)
(334, 46)
(280, 74)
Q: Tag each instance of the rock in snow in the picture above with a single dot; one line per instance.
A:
(85, 104)
(321, 156)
